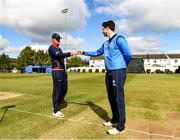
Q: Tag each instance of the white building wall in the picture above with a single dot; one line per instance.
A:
(86, 69)
(175, 62)
(96, 63)
(161, 64)
(152, 64)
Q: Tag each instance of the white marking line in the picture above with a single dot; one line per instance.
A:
(47, 116)
(90, 123)
(150, 134)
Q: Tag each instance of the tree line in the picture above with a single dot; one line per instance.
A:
(28, 56)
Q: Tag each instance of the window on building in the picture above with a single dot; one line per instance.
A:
(175, 61)
(155, 61)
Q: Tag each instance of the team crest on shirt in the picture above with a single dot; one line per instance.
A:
(114, 83)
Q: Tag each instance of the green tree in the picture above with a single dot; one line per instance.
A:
(25, 58)
(41, 58)
(85, 63)
(74, 62)
(5, 62)
(49, 58)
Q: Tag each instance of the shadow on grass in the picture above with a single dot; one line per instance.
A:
(76, 103)
(5, 111)
(63, 105)
(102, 113)
(3, 115)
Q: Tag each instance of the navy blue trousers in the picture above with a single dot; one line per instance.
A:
(115, 81)
(60, 87)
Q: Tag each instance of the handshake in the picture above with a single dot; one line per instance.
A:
(78, 52)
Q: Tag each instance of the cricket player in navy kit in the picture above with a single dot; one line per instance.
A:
(60, 83)
(116, 57)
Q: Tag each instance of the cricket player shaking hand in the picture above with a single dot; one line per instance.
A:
(116, 57)
(59, 75)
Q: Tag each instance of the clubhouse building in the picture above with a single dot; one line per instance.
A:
(149, 63)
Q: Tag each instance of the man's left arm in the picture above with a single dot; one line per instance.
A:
(123, 47)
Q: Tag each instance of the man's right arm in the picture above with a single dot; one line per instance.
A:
(56, 53)
(98, 52)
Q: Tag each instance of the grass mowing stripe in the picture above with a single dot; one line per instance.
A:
(90, 123)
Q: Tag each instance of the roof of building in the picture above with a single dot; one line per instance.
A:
(174, 55)
(152, 56)
(97, 58)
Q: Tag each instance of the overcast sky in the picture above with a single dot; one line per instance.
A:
(150, 26)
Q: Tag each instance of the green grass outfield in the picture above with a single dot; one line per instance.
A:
(152, 107)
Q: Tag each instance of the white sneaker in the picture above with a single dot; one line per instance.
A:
(58, 114)
(109, 124)
(114, 131)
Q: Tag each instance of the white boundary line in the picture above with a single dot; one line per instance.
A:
(150, 134)
(47, 116)
(90, 123)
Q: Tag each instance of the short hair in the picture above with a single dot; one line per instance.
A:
(109, 24)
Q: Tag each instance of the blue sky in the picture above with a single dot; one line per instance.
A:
(149, 26)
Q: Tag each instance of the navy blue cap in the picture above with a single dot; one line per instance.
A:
(56, 36)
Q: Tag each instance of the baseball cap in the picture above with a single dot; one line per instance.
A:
(56, 36)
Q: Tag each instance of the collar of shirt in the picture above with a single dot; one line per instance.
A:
(55, 44)
(112, 38)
